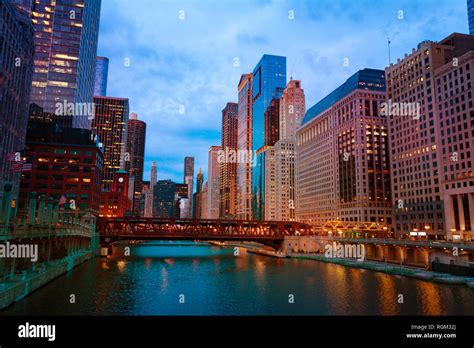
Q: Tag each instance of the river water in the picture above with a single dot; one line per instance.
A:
(187, 278)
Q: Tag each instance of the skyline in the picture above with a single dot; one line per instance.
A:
(168, 67)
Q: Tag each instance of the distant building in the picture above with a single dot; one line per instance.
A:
(342, 166)
(203, 196)
(16, 68)
(66, 36)
(149, 211)
(110, 125)
(189, 180)
(116, 202)
(292, 110)
(243, 209)
(228, 166)
(213, 183)
(272, 122)
(431, 139)
(269, 184)
(269, 80)
(101, 76)
(197, 195)
(67, 165)
(182, 202)
(136, 135)
(144, 198)
(164, 199)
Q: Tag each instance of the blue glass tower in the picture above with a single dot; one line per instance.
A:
(269, 81)
(470, 14)
(101, 75)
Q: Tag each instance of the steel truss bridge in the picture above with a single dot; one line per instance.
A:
(271, 233)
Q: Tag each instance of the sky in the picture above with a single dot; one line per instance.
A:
(179, 62)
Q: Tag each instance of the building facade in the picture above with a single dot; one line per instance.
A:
(189, 180)
(243, 210)
(67, 166)
(101, 76)
(110, 125)
(116, 202)
(16, 68)
(197, 207)
(269, 184)
(66, 36)
(228, 164)
(269, 80)
(213, 183)
(164, 199)
(431, 156)
(136, 135)
(292, 110)
(342, 157)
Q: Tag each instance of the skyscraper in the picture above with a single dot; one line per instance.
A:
(244, 145)
(342, 166)
(189, 180)
(101, 76)
(110, 125)
(66, 35)
(197, 206)
(470, 14)
(431, 137)
(136, 154)
(213, 183)
(292, 110)
(228, 166)
(16, 68)
(164, 198)
(149, 201)
(269, 80)
(272, 123)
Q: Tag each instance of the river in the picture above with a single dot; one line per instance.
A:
(187, 278)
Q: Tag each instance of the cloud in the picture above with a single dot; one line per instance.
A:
(189, 63)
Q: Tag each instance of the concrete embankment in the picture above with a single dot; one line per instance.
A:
(23, 285)
(393, 270)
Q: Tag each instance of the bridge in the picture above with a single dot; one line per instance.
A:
(270, 233)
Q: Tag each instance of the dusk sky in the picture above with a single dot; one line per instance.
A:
(190, 62)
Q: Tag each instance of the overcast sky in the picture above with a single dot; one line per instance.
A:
(182, 55)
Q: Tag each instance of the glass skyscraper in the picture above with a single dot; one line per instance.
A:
(101, 76)
(66, 35)
(470, 14)
(269, 81)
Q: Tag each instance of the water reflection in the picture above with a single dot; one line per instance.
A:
(216, 282)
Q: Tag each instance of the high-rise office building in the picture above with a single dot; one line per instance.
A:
(431, 107)
(244, 145)
(110, 125)
(66, 35)
(269, 183)
(189, 180)
(269, 80)
(470, 14)
(149, 211)
(272, 123)
(213, 183)
(136, 155)
(203, 195)
(144, 200)
(197, 195)
(292, 110)
(16, 68)
(164, 199)
(342, 157)
(228, 165)
(101, 76)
